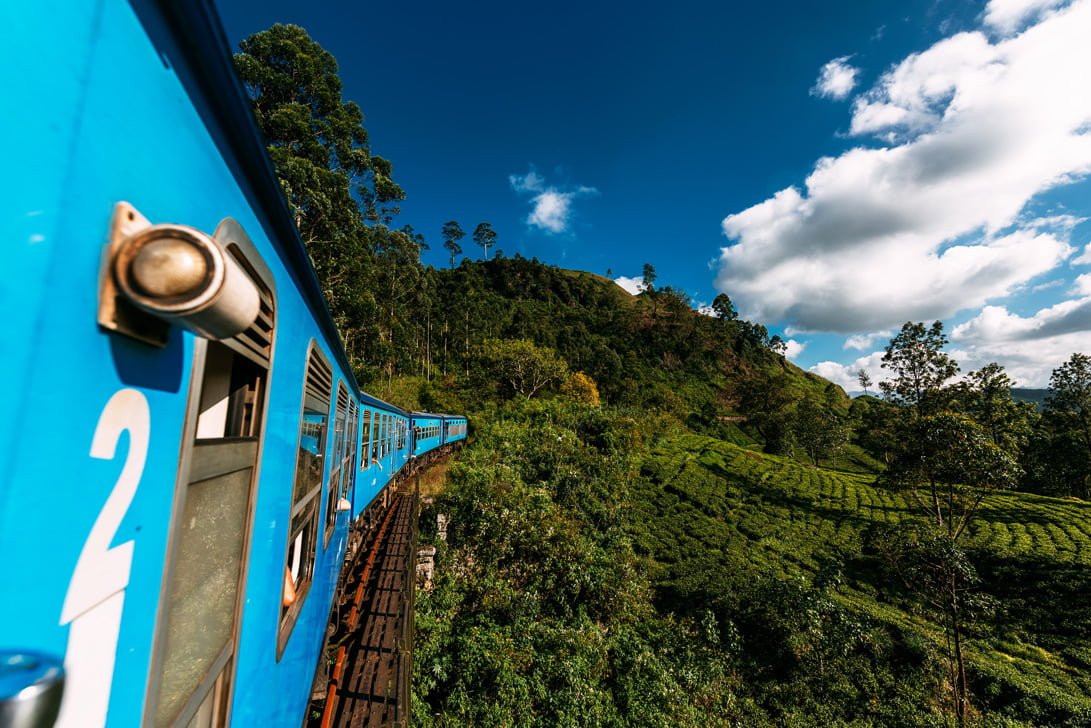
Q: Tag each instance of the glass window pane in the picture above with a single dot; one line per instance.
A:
(201, 611)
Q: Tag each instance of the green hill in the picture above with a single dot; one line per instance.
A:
(671, 558)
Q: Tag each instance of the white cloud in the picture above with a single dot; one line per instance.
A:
(1006, 16)
(1028, 347)
(996, 325)
(793, 348)
(529, 182)
(632, 285)
(836, 79)
(846, 375)
(927, 224)
(551, 210)
(1085, 256)
(864, 341)
(551, 207)
(1055, 283)
(702, 308)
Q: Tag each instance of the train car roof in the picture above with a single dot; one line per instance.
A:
(208, 73)
(370, 401)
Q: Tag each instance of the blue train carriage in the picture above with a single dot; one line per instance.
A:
(196, 502)
(384, 447)
(455, 428)
(427, 432)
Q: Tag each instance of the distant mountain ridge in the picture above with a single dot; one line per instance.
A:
(1035, 396)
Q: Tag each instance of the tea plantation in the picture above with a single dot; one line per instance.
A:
(717, 518)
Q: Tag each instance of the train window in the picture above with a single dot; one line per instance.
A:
(376, 435)
(348, 475)
(303, 517)
(365, 440)
(193, 659)
(340, 454)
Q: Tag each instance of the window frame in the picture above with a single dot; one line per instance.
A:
(289, 616)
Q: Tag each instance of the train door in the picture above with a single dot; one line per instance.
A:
(197, 627)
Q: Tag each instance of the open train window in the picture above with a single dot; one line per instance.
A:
(348, 475)
(376, 436)
(365, 439)
(340, 455)
(193, 658)
(303, 517)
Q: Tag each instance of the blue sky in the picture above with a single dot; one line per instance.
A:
(836, 168)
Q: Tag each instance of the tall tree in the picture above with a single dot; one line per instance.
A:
(986, 395)
(724, 308)
(485, 236)
(818, 429)
(1070, 394)
(948, 466)
(765, 397)
(340, 194)
(452, 233)
(920, 367)
(649, 278)
(864, 379)
(1067, 428)
(316, 140)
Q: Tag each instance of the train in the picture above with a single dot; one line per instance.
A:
(186, 452)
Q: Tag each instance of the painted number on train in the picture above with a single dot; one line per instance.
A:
(96, 594)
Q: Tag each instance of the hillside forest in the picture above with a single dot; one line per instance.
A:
(660, 520)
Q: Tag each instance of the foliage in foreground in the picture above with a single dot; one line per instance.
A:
(605, 567)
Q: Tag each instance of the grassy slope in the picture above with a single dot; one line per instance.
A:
(714, 515)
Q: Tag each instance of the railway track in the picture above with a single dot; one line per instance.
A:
(369, 684)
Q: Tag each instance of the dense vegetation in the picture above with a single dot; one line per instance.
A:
(660, 520)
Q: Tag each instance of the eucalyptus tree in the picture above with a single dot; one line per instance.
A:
(452, 234)
(485, 236)
(340, 194)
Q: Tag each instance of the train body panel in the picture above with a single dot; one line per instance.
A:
(427, 429)
(454, 429)
(102, 461)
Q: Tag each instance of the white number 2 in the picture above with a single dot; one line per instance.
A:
(96, 594)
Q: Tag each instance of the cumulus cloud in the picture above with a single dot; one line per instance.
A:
(836, 79)
(1029, 347)
(1006, 16)
(846, 375)
(632, 285)
(865, 341)
(551, 207)
(793, 348)
(995, 324)
(927, 222)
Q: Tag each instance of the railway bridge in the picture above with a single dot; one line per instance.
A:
(365, 682)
